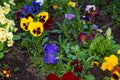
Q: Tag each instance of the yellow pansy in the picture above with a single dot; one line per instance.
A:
(42, 17)
(36, 28)
(109, 63)
(72, 4)
(55, 6)
(118, 51)
(115, 73)
(24, 22)
(95, 63)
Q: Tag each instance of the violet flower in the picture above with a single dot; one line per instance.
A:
(91, 36)
(82, 37)
(50, 59)
(69, 16)
(95, 27)
(50, 48)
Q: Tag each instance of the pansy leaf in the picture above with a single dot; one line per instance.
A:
(1, 46)
(45, 40)
(1, 55)
(16, 37)
(56, 31)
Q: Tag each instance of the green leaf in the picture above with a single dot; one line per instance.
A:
(16, 37)
(56, 31)
(45, 40)
(90, 77)
(1, 55)
(108, 33)
(1, 46)
(6, 51)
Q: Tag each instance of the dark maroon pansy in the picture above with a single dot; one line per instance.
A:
(77, 66)
(84, 18)
(82, 37)
(47, 24)
(70, 76)
(91, 36)
(52, 76)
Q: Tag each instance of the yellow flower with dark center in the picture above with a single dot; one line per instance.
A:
(115, 73)
(24, 22)
(95, 63)
(36, 28)
(72, 4)
(109, 63)
(42, 17)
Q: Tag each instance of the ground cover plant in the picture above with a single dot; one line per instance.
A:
(59, 40)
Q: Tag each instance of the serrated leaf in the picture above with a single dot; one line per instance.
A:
(1, 46)
(16, 37)
(45, 40)
(1, 55)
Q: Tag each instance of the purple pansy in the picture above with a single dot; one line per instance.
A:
(84, 18)
(82, 37)
(69, 16)
(91, 36)
(50, 59)
(50, 48)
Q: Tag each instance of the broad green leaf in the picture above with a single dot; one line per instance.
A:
(1, 46)
(1, 55)
(56, 31)
(6, 51)
(16, 37)
(108, 33)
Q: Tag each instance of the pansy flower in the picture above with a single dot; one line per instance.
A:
(50, 59)
(69, 76)
(118, 51)
(50, 48)
(77, 66)
(52, 76)
(82, 37)
(109, 62)
(72, 4)
(36, 28)
(6, 73)
(36, 4)
(90, 8)
(91, 36)
(69, 16)
(24, 22)
(47, 24)
(115, 72)
(42, 17)
(84, 18)
(95, 63)
(95, 27)
(40, 2)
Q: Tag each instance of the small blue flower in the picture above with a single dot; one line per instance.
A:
(50, 48)
(27, 8)
(69, 16)
(36, 4)
(50, 59)
(95, 27)
(34, 10)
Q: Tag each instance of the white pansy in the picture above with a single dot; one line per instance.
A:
(40, 2)
(88, 7)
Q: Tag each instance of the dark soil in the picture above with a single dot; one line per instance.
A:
(17, 58)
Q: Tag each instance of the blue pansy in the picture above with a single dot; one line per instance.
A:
(50, 59)
(23, 14)
(35, 4)
(34, 10)
(50, 48)
(95, 27)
